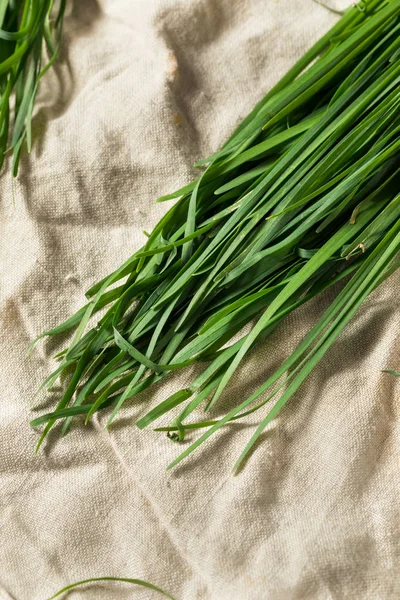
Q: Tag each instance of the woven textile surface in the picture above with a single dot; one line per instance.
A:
(143, 89)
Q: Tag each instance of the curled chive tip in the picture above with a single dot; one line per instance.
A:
(138, 582)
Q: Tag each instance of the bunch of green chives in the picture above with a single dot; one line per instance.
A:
(27, 28)
(304, 193)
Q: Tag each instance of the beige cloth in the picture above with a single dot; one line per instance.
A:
(144, 89)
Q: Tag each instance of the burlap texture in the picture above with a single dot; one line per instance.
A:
(144, 88)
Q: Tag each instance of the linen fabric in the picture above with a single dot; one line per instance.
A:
(142, 90)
